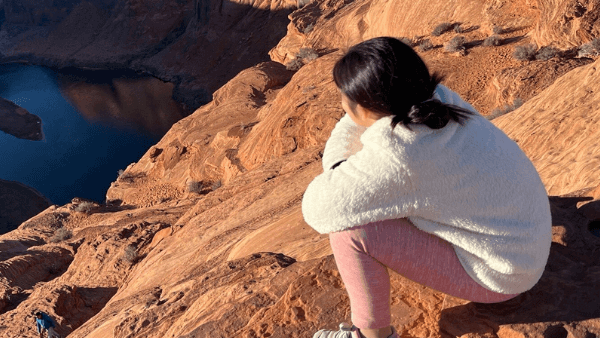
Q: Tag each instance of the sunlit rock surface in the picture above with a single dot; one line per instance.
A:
(204, 235)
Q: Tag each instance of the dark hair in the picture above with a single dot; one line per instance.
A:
(388, 77)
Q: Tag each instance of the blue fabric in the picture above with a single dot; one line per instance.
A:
(44, 323)
(440, 93)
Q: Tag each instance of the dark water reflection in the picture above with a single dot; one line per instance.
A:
(121, 99)
(94, 123)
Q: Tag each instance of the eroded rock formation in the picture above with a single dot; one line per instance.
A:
(567, 23)
(204, 234)
(560, 136)
(18, 122)
(197, 44)
(18, 203)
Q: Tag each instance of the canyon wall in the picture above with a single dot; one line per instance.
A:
(204, 236)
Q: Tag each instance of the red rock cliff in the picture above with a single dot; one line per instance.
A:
(204, 235)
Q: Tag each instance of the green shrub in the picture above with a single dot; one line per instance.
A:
(309, 28)
(456, 44)
(407, 41)
(294, 65)
(302, 3)
(458, 28)
(518, 102)
(195, 186)
(546, 53)
(525, 52)
(60, 235)
(85, 207)
(497, 29)
(493, 40)
(123, 176)
(216, 185)
(441, 29)
(304, 56)
(307, 54)
(56, 219)
(590, 49)
(130, 254)
(425, 45)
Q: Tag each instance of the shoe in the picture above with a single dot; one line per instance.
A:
(346, 331)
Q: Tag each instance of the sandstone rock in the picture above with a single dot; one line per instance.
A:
(341, 24)
(566, 23)
(74, 279)
(192, 151)
(298, 118)
(18, 122)
(526, 81)
(239, 261)
(18, 203)
(20, 273)
(558, 131)
(336, 25)
(197, 44)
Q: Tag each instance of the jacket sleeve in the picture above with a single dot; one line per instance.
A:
(47, 321)
(37, 324)
(343, 142)
(369, 186)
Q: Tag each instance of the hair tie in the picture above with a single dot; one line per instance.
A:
(418, 106)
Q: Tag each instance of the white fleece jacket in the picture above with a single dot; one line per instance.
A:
(470, 185)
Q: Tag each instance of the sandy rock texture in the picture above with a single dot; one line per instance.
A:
(558, 130)
(567, 23)
(331, 25)
(204, 236)
(18, 122)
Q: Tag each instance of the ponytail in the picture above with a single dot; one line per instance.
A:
(388, 77)
(432, 112)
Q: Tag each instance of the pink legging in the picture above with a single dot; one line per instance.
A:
(363, 253)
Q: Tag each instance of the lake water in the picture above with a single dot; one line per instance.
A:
(94, 123)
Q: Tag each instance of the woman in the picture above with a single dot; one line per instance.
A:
(417, 181)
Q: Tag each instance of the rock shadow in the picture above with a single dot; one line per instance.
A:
(566, 293)
(470, 29)
(10, 248)
(512, 29)
(512, 40)
(18, 203)
(114, 205)
(76, 305)
(12, 301)
(23, 270)
(473, 43)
